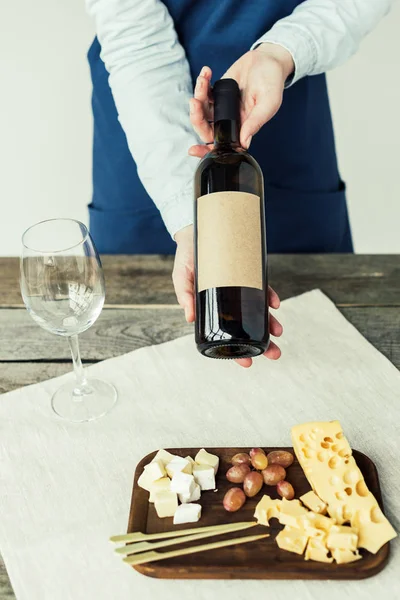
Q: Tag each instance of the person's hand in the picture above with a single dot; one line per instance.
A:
(183, 278)
(261, 76)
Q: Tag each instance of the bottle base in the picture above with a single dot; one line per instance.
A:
(232, 350)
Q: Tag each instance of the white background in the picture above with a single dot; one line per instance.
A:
(45, 123)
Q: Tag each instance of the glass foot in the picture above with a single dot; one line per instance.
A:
(97, 400)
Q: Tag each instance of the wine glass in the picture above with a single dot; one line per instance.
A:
(62, 285)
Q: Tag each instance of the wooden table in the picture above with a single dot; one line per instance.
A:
(141, 310)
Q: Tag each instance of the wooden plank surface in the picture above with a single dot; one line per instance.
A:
(118, 331)
(346, 279)
(261, 559)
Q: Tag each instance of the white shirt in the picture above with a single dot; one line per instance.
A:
(151, 82)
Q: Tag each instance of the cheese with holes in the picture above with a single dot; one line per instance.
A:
(292, 540)
(205, 458)
(165, 504)
(161, 485)
(182, 483)
(342, 556)
(316, 525)
(204, 476)
(313, 502)
(326, 458)
(290, 511)
(317, 550)
(267, 509)
(342, 536)
(178, 464)
(193, 497)
(164, 456)
(187, 513)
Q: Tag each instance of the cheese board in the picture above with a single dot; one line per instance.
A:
(261, 559)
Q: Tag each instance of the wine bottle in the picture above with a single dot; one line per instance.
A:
(230, 241)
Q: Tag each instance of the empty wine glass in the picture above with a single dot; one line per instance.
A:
(62, 285)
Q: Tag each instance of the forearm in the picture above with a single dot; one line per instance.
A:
(322, 34)
(151, 85)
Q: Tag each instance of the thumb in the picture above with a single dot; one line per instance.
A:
(183, 279)
(263, 110)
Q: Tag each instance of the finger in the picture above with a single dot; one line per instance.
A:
(202, 91)
(264, 109)
(199, 121)
(275, 328)
(184, 290)
(244, 362)
(200, 151)
(273, 298)
(273, 352)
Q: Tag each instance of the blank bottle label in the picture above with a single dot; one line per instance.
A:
(229, 252)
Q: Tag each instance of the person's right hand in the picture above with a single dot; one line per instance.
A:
(183, 278)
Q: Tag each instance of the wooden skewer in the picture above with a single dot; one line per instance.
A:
(142, 546)
(141, 537)
(146, 557)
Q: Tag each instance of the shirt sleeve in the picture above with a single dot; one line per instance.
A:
(322, 34)
(151, 85)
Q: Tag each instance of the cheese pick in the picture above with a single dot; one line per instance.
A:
(146, 557)
(142, 546)
(140, 537)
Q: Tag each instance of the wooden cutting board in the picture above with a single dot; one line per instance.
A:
(257, 560)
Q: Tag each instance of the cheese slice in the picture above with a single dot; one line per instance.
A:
(165, 504)
(205, 458)
(313, 502)
(292, 540)
(161, 485)
(342, 555)
(326, 458)
(317, 550)
(164, 456)
(290, 511)
(155, 470)
(342, 537)
(178, 464)
(267, 509)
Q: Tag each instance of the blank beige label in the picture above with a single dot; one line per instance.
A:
(229, 251)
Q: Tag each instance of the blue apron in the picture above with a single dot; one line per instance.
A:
(305, 197)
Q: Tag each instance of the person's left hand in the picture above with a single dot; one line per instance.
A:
(261, 76)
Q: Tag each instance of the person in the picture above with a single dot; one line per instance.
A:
(143, 63)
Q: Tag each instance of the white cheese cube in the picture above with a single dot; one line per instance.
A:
(204, 476)
(193, 497)
(161, 485)
(182, 483)
(165, 504)
(187, 513)
(164, 456)
(205, 458)
(155, 470)
(178, 464)
(145, 481)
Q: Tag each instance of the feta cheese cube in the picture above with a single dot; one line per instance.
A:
(165, 504)
(182, 483)
(164, 456)
(193, 497)
(161, 485)
(204, 476)
(187, 513)
(205, 458)
(155, 470)
(178, 464)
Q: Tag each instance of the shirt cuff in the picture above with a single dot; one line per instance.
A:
(177, 213)
(296, 40)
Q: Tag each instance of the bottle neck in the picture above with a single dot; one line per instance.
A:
(227, 133)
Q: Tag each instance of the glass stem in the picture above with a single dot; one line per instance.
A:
(81, 383)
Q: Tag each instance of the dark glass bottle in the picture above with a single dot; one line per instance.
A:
(230, 242)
